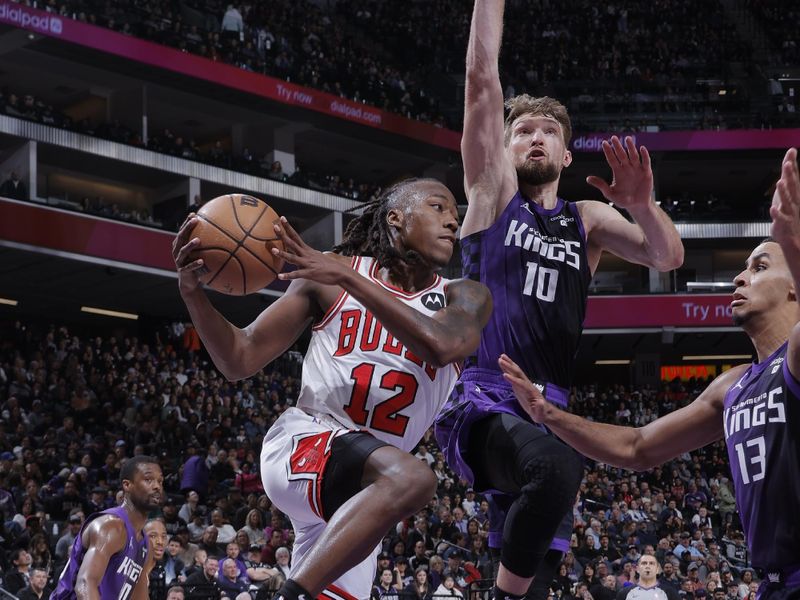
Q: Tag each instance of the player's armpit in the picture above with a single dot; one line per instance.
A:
(793, 352)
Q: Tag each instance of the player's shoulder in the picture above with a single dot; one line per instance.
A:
(467, 288)
(106, 529)
(592, 211)
(715, 392)
(472, 296)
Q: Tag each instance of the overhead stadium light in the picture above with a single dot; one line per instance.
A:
(109, 313)
(8, 301)
(719, 357)
(618, 361)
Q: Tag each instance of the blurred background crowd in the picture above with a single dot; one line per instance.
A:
(73, 407)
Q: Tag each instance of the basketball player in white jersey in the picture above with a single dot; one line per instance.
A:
(386, 333)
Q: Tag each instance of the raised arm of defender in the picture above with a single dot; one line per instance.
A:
(785, 213)
(490, 180)
(652, 240)
(636, 448)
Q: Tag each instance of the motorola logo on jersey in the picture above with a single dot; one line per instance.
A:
(433, 300)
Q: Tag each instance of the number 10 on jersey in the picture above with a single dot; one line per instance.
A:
(543, 279)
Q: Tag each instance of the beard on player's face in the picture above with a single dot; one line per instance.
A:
(538, 173)
(739, 320)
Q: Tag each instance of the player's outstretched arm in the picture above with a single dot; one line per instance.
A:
(236, 352)
(489, 178)
(652, 240)
(636, 448)
(785, 213)
(103, 539)
(450, 335)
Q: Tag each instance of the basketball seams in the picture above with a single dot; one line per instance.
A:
(236, 212)
(232, 256)
(227, 245)
(249, 232)
(239, 243)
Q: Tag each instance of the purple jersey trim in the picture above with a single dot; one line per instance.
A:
(478, 394)
(573, 208)
(792, 383)
(552, 393)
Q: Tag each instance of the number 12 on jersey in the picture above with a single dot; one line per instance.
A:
(385, 415)
(544, 279)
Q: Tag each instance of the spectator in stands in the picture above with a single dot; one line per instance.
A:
(261, 575)
(231, 583)
(18, 575)
(13, 187)
(207, 578)
(388, 588)
(254, 528)
(197, 527)
(37, 587)
(225, 532)
(448, 588)
(171, 519)
(455, 569)
(232, 22)
(276, 171)
(685, 545)
(282, 561)
(197, 566)
(248, 482)
(269, 549)
(420, 587)
(190, 506)
(65, 542)
(669, 575)
(210, 541)
(175, 593)
(173, 565)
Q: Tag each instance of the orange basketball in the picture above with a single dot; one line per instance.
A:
(236, 240)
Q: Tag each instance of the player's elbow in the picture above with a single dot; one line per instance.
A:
(481, 67)
(453, 350)
(668, 260)
(638, 457)
(236, 370)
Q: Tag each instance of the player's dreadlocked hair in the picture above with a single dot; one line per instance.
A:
(369, 234)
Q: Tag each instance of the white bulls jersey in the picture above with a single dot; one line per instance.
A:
(358, 373)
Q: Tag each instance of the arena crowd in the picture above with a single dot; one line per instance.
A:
(73, 407)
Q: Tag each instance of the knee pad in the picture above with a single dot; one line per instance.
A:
(552, 481)
(534, 517)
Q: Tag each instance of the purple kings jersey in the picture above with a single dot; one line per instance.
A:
(123, 569)
(762, 433)
(533, 261)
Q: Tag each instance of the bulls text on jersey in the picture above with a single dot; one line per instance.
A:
(360, 330)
